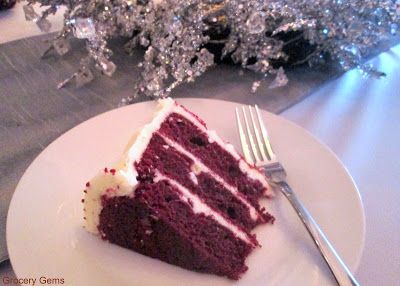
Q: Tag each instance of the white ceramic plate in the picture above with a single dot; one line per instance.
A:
(46, 239)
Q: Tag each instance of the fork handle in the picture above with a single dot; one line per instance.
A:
(338, 268)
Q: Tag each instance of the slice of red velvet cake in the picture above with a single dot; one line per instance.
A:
(181, 195)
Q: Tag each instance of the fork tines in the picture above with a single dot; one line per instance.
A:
(260, 151)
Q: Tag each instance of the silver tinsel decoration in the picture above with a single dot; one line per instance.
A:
(260, 35)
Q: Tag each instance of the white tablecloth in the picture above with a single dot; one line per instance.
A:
(359, 119)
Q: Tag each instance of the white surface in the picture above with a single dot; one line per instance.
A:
(359, 119)
(13, 25)
(58, 246)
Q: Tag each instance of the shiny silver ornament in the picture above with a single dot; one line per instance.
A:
(260, 35)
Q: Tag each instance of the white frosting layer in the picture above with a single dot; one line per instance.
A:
(213, 137)
(139, 145)
(255, 175)
(199, 206)
(125, 173)
(103, 184)
(199, 166)
(123, 181)
(193, 177)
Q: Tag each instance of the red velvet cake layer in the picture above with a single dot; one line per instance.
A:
(179, 129)
(179, 196)
(157, 223)
(168, 161)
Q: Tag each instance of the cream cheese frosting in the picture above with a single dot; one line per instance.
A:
(120, 180)
(123, 180)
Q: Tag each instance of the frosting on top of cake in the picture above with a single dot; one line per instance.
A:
(125, 173)
(122, 181)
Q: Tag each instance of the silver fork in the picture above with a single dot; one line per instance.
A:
(261, 154)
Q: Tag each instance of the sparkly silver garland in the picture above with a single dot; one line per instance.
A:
(256, 34)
